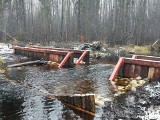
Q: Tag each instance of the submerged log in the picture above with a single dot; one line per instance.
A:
(37, 62)
(84, 103)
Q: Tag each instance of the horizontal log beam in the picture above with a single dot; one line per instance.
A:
(79, 109)
(40, 50)
(142, 62)
(146, 57)
(60, 49)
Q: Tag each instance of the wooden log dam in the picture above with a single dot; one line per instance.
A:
(143, 66)
(64, 57)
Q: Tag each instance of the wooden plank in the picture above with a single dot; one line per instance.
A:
(132, 70)
(76, 53)
(144, 71)
(137, 71)
(88, 102)
(92, 103)
(52, 54)
(55, 58)
(151, 73)
(40, 50)
(126, 69)
(77, 101)
(83, 103)
(142, 62)
(156, 75)
(60, 49)
(146, 57)
(121, 71)
(79, 109)
(116, 69)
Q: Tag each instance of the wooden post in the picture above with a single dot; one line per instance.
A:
(86, 103)
(116, 69)
(82, 57)
(65, 60)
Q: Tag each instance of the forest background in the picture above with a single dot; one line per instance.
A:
(111, 21)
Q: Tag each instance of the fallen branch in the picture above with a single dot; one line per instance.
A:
(7, 35)
(37, 62)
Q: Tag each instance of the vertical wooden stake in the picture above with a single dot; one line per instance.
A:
(81, 57)
(65, 60)
(116, 69)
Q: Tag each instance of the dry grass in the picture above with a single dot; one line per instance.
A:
(143, 50)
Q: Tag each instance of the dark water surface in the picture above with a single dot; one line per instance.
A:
(20, 101)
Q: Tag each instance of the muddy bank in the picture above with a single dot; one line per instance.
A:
(143, 104)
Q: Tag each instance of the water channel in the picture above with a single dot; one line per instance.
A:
(18, 100)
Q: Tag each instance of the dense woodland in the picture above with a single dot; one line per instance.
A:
(112, 21)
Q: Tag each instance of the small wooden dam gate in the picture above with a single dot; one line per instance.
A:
(64, 57)
(143, 66)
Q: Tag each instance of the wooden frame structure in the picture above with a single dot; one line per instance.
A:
(144, 66)
(64, 57)
(146, 57)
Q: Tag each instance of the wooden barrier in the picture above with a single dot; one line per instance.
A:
(53, 54)
(132, 68)
(83, 103)
(45, 54)
(76, 53)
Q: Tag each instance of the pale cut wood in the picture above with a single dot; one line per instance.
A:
(151, 73)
